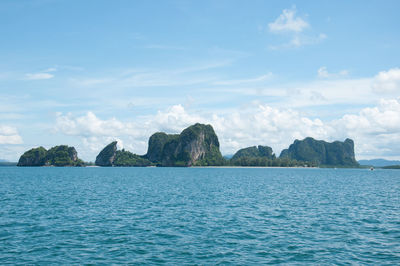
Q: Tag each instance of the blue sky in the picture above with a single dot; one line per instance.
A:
(84, 73)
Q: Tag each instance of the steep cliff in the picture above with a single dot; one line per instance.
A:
(196, 145)
(157, 143)
(321, 152)
(107, 155)
(110, 156)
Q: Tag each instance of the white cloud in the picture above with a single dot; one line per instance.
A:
(375, 130)
(387, 81)
(323, 73)
(317, 92)
(90, 125)
(288, 22)
(291, 25)
(299, 41)
(9, 135)
(264, 125)
(50, 69)
(38, 76)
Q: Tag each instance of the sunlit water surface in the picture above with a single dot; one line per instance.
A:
(199, 216)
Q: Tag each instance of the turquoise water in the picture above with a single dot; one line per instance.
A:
(199, 216)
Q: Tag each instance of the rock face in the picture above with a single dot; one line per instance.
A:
(107, 155)
(62, 156)
(196, 145)
(254, 152)
(321, 152)
(157, 143)
(33, 157)
(57, 156)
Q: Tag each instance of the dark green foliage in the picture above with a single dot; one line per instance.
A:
(253, 156)
(157, 143)
(321, 153)
(57, 156)
(81, 163)
(33, 157)
(265, 162)
(126, 158)
(284, 154)
(258, 152)
(196, 145)
(107, 155)
(61, 156)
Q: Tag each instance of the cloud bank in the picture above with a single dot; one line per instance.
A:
(9, 135)
(375, 130)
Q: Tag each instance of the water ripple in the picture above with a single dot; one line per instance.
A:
(199, 216)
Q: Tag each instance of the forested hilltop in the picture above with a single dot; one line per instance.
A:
(198, 145)
(57, 156)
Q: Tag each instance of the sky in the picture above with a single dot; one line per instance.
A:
(85, 73)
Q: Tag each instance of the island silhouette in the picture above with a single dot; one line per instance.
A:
(198, 145)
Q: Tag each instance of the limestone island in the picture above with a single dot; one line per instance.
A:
(198, 145)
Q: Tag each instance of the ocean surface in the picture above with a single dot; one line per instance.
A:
(244, 216)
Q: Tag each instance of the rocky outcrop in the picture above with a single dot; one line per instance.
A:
(196, 145)
(62, 155)
(107, 155)
(110, 156)
(157, 143)
(33, 157)
(254, 152)
(320, 152)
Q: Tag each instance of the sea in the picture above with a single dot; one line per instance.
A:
(199, 216)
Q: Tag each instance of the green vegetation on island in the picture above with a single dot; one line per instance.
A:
(126, 158)
(259, 152)
(57, 156)
(157, 142)
(322, 153)
(110, 156)
(198, 145)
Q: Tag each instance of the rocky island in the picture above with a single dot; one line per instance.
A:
(110, 156)
(198, 145)
(62, 155)
(322, 153)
